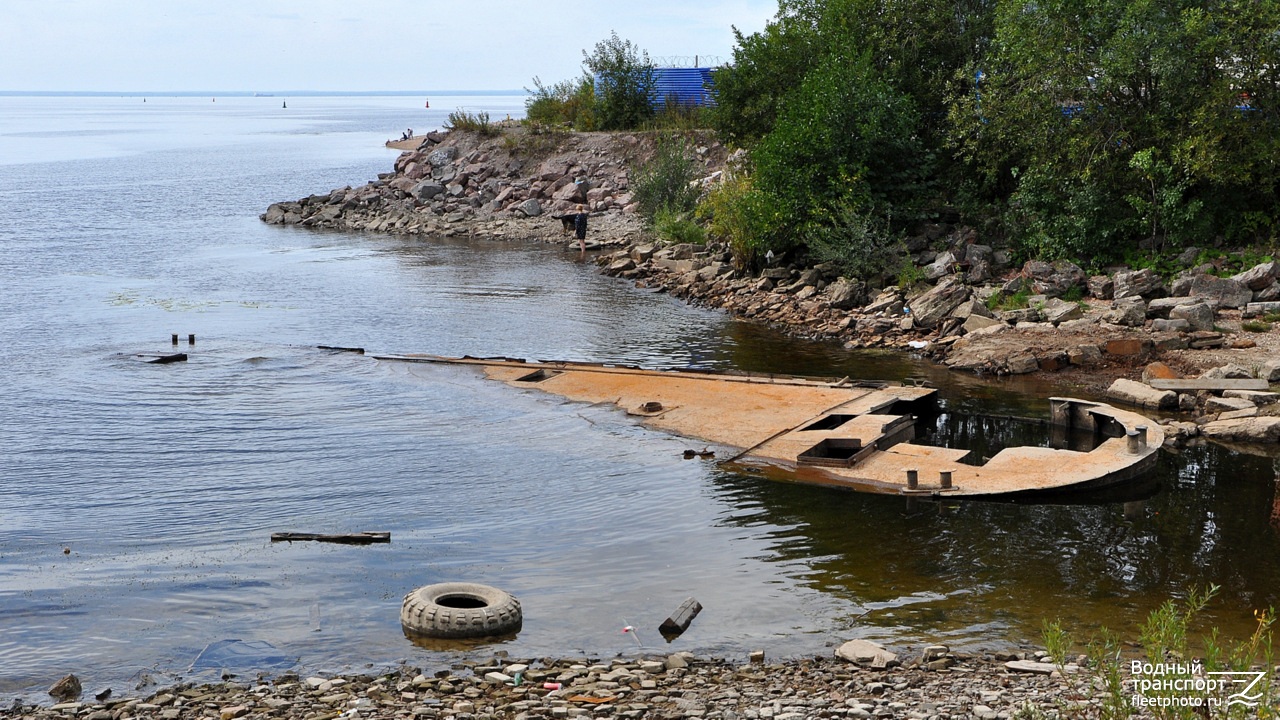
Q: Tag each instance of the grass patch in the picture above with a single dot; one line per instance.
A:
(1002, 301)
(479, 122)
(1255, 326)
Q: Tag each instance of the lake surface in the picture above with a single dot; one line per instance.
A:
(136, 500)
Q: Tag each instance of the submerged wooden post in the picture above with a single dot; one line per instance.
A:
(944, 479)
(680, 619)
(175, 338)
(191, 339)
(913, 479)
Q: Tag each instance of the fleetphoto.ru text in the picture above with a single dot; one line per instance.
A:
(1175, 685)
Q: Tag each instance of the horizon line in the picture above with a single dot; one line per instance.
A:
(251, 93)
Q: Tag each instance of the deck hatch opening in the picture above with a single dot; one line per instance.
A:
(830, 422)
(833, 452)
(538, 375)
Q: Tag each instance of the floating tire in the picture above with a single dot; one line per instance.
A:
(460, 610)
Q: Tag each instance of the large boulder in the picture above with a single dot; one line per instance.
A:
(845, 294)
(1260, 276)
(1102, 287)
(1144, 283)
(1224, 292)
(1130, 311)
(931, 307)
(980, 259)
(1198, 315)
(1142, 395)
(1063, 276)
(1056, 310)
(944, 265)
(426, 190)
(530, 207)
(1264, 429)
(867, 653)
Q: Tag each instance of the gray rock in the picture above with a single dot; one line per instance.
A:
(1227, 372)
(845, 294)
(1259, 276)
(1162, 325)
(1227, 404)
(974, 323)
(1270, 371)
(931, 307)
(885, 301)
(1085, 354)
(1225, 292)
(1160, 307)
(1198, 315)
(944, 265)
(1102, 287)
(530, 208)
(1142, 395)
(1255, 309)
(1019, 316)
(867, 653)
(1269, 294)
(1130, 311)
(1056, 311)
(1249, 430)
(443, 156)
(1144, 283)
(972, 306)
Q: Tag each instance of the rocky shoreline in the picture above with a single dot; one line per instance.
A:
(967, 307)
(860, 680)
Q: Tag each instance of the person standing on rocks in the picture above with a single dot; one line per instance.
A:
(580, 226)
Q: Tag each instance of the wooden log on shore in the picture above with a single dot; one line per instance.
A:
(360, 538)
(680, 619)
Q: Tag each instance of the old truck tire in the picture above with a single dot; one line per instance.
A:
(460, 610)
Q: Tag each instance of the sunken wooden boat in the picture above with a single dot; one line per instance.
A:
(852, 434)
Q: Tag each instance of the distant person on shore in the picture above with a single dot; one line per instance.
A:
(580, 226)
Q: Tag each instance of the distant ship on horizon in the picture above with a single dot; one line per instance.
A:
(264, 95)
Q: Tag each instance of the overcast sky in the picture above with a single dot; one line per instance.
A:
(356, 45)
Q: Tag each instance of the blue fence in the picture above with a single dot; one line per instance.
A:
(684, 86)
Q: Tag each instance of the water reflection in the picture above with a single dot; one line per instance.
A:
(976, 571)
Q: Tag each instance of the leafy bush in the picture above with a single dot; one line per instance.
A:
(860, 244)
(665, 181)
(569, 102)
(749, 220)
(676, 227)
(462, 120)
(623, 82)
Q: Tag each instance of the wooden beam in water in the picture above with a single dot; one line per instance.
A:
(360, 538)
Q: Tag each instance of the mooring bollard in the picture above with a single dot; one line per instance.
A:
(1134, 441)
(944, 479)
(913, 479)
(1142, 436)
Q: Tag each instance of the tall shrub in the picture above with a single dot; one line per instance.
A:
(624, 83)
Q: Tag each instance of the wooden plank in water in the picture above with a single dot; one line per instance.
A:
(161, 358)
(360, 538)
(1210, 384)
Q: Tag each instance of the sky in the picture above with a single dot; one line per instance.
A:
(346, 45)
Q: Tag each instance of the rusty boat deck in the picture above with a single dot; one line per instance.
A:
(843, 433)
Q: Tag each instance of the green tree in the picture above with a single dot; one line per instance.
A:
(624, 83)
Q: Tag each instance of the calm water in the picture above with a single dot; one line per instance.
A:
(122, 222)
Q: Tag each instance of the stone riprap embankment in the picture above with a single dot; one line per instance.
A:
(516, 186)
(934, 684)
(957, 310)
